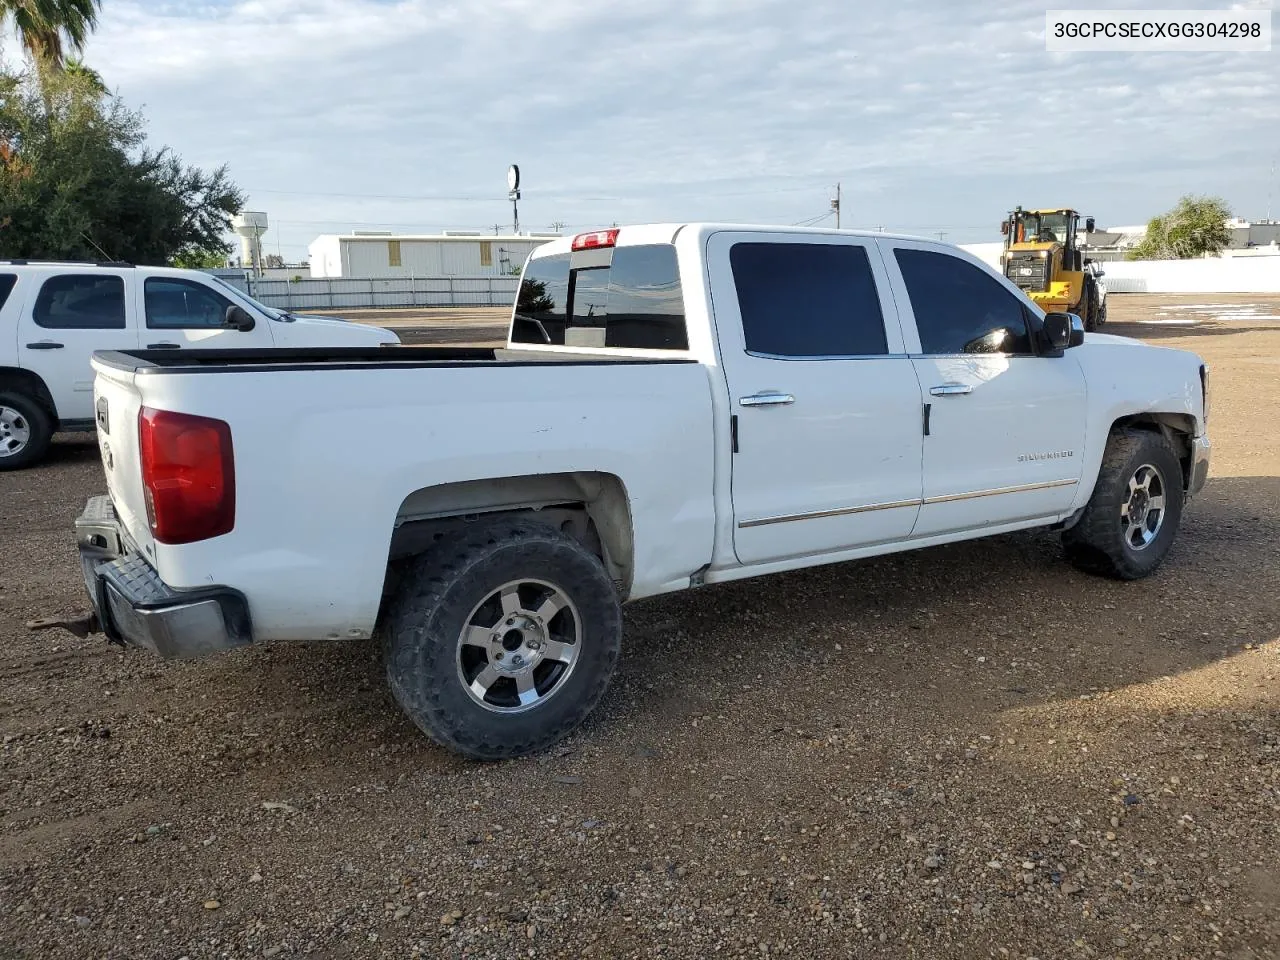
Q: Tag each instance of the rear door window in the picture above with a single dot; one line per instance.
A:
(80, 302)
(626, 297)
(808, 300)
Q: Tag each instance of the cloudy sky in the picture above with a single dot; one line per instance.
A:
(935, 115)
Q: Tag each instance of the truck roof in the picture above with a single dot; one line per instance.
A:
(629, 234)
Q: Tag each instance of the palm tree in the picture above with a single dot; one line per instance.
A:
(91, 77)
(48, 27)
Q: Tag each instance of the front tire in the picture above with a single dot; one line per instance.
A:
(25, 430)
(499, 643)
(1132, 518)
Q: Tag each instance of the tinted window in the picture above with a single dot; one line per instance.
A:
(183, 304)
(543, 301)
(81, 302)
(7, 280)
(629, 297)
(808, 300)
(960, 308)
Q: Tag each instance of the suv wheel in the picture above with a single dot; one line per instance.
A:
(25, 430)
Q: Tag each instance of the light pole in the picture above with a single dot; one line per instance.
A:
(513, 193)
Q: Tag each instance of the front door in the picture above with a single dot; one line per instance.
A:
(1006, 425)
(186, 314)
(66, 318)
(826, 402)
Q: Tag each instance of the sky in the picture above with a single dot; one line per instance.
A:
(935, 116)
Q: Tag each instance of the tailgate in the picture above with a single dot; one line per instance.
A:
(116, 402)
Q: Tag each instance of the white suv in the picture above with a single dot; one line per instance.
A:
(53, 316)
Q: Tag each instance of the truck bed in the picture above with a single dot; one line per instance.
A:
(333, 448)
(349, 358)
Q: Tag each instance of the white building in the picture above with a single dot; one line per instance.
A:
(451, 254)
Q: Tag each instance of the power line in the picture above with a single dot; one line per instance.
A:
(442, 198)
(812, 220)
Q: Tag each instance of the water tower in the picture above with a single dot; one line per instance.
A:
(250, 225)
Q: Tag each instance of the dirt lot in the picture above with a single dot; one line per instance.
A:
(972, 751)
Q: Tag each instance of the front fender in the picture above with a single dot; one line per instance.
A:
(1126, 378)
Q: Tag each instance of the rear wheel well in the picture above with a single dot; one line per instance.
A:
(24, 381)
(592, 508)
(1178, 428)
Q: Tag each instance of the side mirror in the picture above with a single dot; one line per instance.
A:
(1088, 225)
(238, 318)
(1062, 330)
(1004, 228)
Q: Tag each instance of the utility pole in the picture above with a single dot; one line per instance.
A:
(496, 228)
(835, 205)
(942, 234)
(558, 226)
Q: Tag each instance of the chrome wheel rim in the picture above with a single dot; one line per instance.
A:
(1143, 510)
(519, 646)
(15, 432)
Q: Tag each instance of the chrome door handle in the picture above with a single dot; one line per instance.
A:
(766, 399)
(951, 390)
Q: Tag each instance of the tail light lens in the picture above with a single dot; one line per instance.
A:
(593, 241)
(188, 475)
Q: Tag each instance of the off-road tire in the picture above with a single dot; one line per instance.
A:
(1089, 303)
(39, 423)
(1096, 543)
(433, 600)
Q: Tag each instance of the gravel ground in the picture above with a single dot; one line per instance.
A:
(970, 751)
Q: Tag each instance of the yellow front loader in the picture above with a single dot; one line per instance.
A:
(1042, 256)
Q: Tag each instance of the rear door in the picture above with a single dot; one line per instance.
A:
(65, 318)
(829, 427)
(180, 313)
(1006, 425)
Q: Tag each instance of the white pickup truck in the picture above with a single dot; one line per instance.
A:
(678, 406)
(55, 315)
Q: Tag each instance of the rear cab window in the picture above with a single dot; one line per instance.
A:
(626, 297)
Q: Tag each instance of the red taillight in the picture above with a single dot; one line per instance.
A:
(188, 475)
(590, 241)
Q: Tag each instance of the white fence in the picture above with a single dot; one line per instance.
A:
(1234, 274)
(337, 294)
(1225, 275)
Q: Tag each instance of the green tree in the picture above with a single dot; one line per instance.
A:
(78, 181)
(1195, 227)
(47, 28)
(93, 79)
(198, 259)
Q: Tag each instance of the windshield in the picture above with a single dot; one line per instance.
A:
(244, 298)
(1042, 228)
